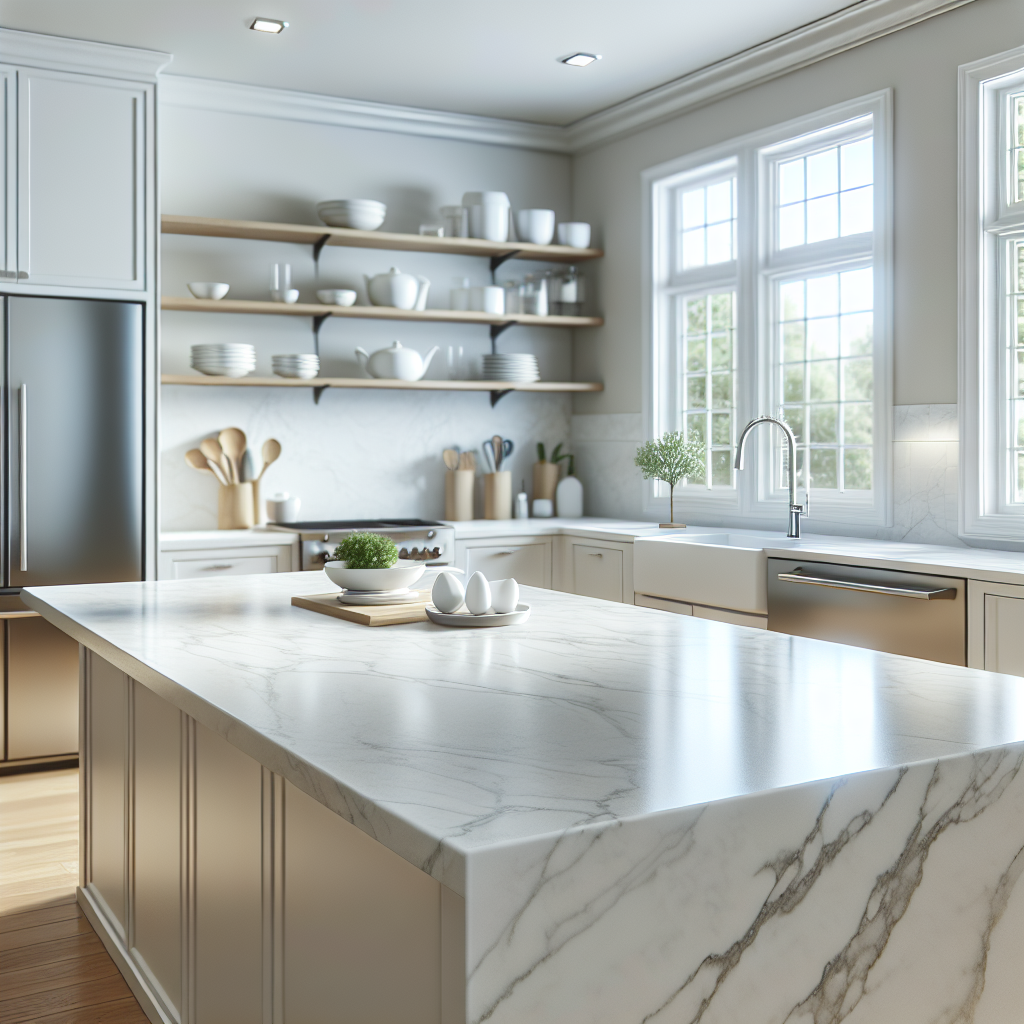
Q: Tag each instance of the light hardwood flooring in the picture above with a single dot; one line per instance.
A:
(53, 968)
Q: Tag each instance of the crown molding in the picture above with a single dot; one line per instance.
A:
(850, 27)
(57, 53)
(261, 101)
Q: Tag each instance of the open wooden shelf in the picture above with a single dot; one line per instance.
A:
(320, 235)
(376, 383)
(316, 309)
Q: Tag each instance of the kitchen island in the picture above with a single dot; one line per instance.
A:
(607, 814)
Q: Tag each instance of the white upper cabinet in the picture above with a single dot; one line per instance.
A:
(8, 172)
(80, 201)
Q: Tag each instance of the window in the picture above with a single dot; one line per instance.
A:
(991, 301)
(769, 286)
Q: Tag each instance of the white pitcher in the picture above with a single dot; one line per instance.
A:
(396, 362)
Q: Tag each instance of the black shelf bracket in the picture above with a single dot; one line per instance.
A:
(496, 261)
(497, 330)
(317, 392)
(318, 322)
(318, 247)
(497, 396)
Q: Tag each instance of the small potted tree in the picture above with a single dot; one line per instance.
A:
(672, 458)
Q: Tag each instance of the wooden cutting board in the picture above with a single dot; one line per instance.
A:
(366, 615)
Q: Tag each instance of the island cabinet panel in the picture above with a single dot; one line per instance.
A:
(362, 926)
(995, 627)
(156, 850)
(107, 869)
(228, 953)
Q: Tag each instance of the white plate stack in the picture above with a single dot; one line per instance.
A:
(296, 365)
(518, 367)
(225, 360)
(361, 214)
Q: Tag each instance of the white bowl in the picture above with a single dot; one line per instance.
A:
(404, 573)
(208, 289)
(360, 214)
(227, 371)
(537, 226)
(336, 296)
(574, 233)
(290, 295)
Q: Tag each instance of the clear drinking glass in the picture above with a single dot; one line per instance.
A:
(533, 295)
(455, 221)
(454, 362)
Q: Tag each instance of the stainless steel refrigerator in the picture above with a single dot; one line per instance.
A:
(71, 473)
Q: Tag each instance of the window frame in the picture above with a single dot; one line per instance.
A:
(987, 224)
(753, 500)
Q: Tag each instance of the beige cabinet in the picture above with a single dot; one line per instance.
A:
(995, 627)
(597, 571)
(8, 174)
(527, 560)
(77, 189)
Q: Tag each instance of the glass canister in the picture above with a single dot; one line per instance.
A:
(513, 298)
(455, 221)
(533, 295)
(567, 293)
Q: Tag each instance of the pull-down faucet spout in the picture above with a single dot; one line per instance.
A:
(795, 510)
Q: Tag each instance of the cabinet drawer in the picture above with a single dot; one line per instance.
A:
(597, 572)
(528, 564)
(243, 565)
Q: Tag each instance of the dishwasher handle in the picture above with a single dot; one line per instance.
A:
(921, 593)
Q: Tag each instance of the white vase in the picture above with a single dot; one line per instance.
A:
(569, 498)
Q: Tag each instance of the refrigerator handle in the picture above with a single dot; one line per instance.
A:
(23, 475)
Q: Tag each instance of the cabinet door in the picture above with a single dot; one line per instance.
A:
(81, 180)
(207, 568)
(597, 572)
(1004, 634)
(528, 564)
(8, 173)
(42, 689)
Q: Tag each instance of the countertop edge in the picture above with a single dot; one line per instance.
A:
(437, 858)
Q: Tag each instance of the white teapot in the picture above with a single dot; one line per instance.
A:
(403, 291)
(396, 363)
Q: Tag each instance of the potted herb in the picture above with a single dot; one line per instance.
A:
(672, 458)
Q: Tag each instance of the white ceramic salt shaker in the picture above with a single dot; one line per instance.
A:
(478, 594)
(504, 596)
(447, 593)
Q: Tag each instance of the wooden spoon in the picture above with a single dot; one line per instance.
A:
(233, 442)
(271, 452)
(197, 460)
(211, 448)
(451, 458)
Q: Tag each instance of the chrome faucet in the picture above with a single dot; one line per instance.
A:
(795, 510)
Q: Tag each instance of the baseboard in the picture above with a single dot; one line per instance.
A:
(137, 982)
(38, 764)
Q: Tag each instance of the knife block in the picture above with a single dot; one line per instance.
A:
(498, 495)
(458, 494)
(235, 507)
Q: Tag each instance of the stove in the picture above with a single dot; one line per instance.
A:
(421, 540)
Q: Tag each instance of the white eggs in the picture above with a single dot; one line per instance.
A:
(447, 593)
(504, 596)
(478, 594)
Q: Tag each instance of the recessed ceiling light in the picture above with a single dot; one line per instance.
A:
(580, 60)
(271, 25)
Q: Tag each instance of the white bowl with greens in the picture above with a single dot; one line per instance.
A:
(370, 562)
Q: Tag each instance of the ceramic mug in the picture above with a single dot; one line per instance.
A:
(574, 233)
(537, 226)
(488, 215)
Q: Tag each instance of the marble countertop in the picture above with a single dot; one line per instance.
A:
(442, 742)
(595, 527)
(256, 537)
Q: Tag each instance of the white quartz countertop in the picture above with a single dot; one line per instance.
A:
(594, 527)
(193, 540)
(439, 742)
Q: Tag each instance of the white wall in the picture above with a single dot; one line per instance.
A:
(920, 64)
(356, 453)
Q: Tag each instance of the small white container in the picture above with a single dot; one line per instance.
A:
(537, 226)
(569, 498)
(337, 296)
(575, 234)
(543, 508)
(460, 294)
(488, 215)
(488, 298)
(282, 508)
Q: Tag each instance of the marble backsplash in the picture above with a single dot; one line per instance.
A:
(925, 472)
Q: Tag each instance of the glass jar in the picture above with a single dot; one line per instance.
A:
(567, 293)
(533, 295)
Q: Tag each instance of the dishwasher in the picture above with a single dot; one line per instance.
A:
(910, 613)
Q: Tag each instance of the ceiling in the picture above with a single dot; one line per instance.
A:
(469, 56)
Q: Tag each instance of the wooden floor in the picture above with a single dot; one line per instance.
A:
(53, 968)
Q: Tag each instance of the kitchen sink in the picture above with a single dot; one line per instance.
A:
(721, 570)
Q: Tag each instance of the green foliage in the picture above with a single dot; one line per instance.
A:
(672, 458)
(540, 452)
(558, 455)
(367, 551)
